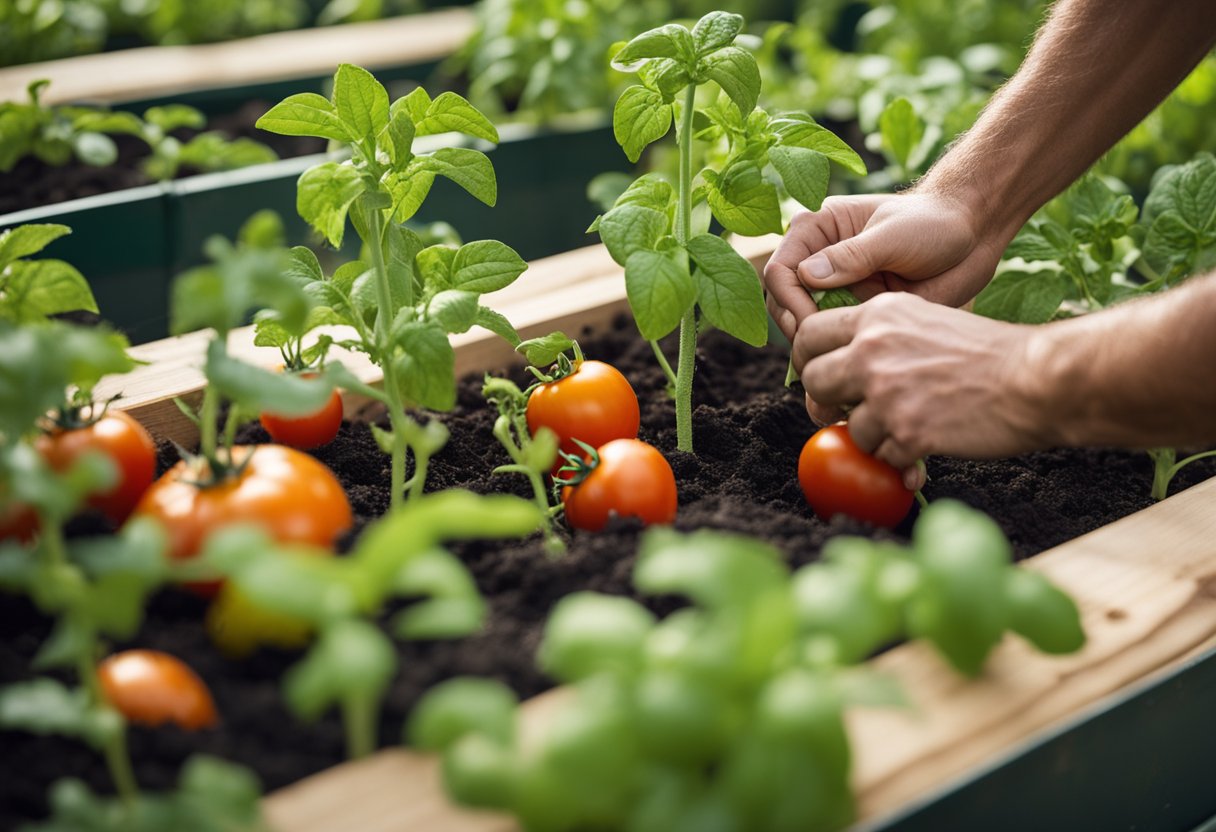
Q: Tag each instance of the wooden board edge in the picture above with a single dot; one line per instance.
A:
(158, 71)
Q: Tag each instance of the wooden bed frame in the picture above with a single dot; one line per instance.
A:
(1146, 586)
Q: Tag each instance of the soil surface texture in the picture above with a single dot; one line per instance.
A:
(748, 432)
(33, 183)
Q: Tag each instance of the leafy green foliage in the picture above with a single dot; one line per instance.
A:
(729, 713)
(34, 290)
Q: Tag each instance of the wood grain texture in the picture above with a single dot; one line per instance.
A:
(156, 71)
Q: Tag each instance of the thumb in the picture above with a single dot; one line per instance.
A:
(847, 262)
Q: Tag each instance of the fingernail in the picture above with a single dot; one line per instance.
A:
(912, 480)
(819, 266)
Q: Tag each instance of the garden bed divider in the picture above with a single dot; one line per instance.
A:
(1145, 585)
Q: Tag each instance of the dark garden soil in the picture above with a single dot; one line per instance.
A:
(33, 183)
(749, 431)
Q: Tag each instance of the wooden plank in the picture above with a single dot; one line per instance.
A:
(156, 71)
(1146, 586)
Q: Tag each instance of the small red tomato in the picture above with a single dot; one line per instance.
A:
(837, 477)
(149, 687)
(295, 498)
(594, 404)
(124, 441)
(17, 522)
(305, 432)
(631, 479)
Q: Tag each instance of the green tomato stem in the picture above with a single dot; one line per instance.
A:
(515, 449)
(1165, 468)
(359, 716)
(422, 461)
(665, 364)
(114, 750)
(208, 437)
(686, 364)
(920, 498)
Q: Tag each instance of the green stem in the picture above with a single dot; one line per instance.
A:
(665, 364)
(686, 363)
(359, 719)
(208, 415)
(1167, 469)
(920, 498)
(118, 759)
(422, 461)
(515, 450)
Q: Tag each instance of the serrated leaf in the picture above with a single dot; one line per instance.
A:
(660, 290)
(669, 41)
(902, 130)
(470, 169)
(631, 227)
(425, 365)
(639, 118)
(453, 113)
(543, 351)
(735, 70)
(25, 240)
(804, 173)
(305, 114)
(1031, 245)
(497, 323)
(728, 291)
(743, 201)
(486, 266)
(1028, 298)
(804, 132)
(324, 195)
(360, 101)
(716, 30)
(454, 310)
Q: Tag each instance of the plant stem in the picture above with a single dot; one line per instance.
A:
(1166, 469)
(422, 461)
(208, 415)
(118, 760)
(359, 717)
(687, 362)
(663, 362)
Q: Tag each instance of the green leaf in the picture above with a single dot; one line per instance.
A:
(835, 299)
(425, 366)
(650, 190)
(1020, 297)
(801, 131)
(94, 149)
(486, 266)
(452, 113)
(36, 289)
(397, 138)
(497, 323)
(743, 201)
(588, 633)
(1030, 244)
(45, 707)
(545, 350)
(461, 706)
(261, 390)
(639, 118)
(416, 104)
(324, 195)
(470, 169)
(305, 114)
(803, 172)
(1042, 613)
(360, 101)
(716, 30)
(435, 266)
(25, 240)
(409, 189)
(440, 618)
(1171, 241)
(669, 41)
(304, 265)
(631, 227)
(728, 290)
(902, 130)
(454, 310)
(351, 661)
(665, 76)
(660, 290)
(713, 569)
(218, 793)
(736, 72)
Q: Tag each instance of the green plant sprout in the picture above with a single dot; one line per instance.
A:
(35, 290)
(352, 662)
(677, 273)
(405, 299)
(728, 714)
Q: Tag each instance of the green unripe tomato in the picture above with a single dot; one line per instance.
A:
(1042, 613)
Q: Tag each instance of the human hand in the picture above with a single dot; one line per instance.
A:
(925, 243)
(924, 379)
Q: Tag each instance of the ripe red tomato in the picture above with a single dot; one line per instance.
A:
(632, 479)
(594, 404)
(123, 440)
(149, 687)
(290, 494)
(837, 477)
(305, 432)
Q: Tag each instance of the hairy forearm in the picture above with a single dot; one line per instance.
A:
(1096, 68)
(1140, 375)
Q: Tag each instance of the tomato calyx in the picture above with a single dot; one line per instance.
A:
(71, 415)
(577, 467)
(209, 470)
(562, 368)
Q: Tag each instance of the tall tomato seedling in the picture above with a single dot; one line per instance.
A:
(406, 299)
(677, 273)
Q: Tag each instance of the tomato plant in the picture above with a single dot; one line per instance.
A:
(124, 441)
(149, 687)
(625, 478)
(309, 431)
(288, 493)
(589, 402)
(837, 477)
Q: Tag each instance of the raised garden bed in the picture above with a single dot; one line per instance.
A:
(1143, 584)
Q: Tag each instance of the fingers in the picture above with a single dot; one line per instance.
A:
(823, 332)
(789, 301)
(848, 261)
(830, 380)
(869, 434)
(784, 318)
(823, 415)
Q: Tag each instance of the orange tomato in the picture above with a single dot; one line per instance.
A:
(310, 431)
(837, 477)
(632, 479)
(594, 404)
(149, 687)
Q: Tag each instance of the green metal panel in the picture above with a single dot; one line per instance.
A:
(1143, 760)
